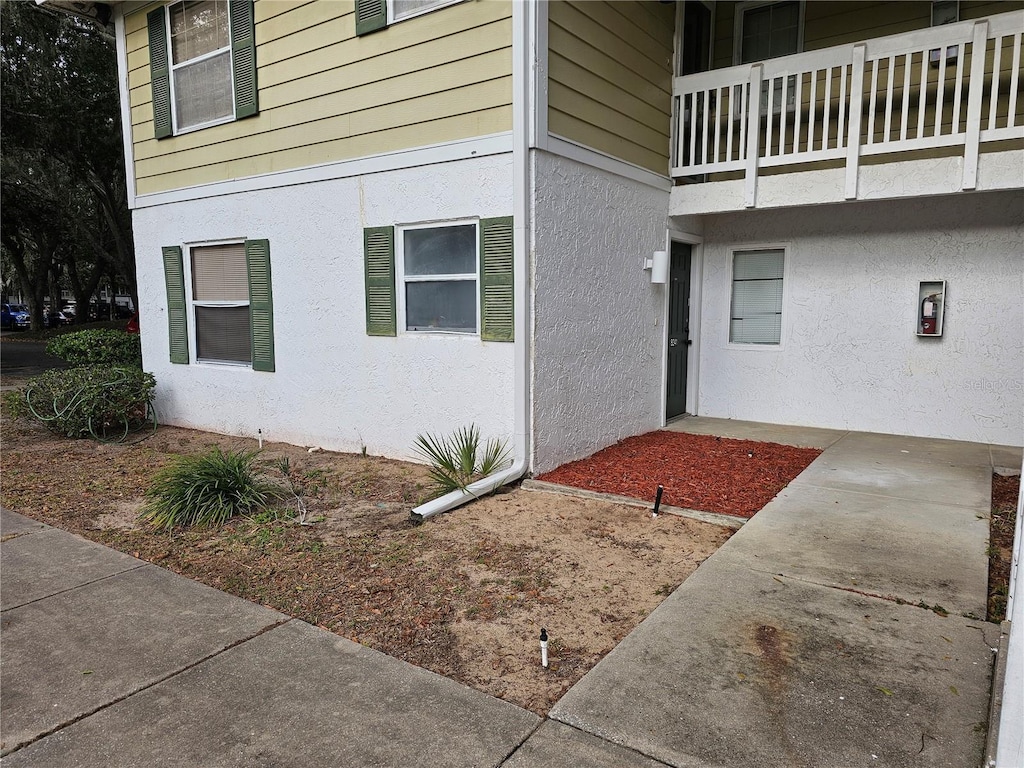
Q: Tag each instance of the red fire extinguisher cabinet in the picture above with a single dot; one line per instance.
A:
(931, 308)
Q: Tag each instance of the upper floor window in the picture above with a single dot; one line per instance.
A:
(767, 30)
(203, 64)
(372, 15)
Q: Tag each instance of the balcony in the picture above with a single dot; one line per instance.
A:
(933, 111)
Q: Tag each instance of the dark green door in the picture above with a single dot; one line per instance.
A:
(678, 329)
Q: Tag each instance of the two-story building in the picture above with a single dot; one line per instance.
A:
(361, 221)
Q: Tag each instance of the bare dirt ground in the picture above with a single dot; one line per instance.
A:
(464, 594)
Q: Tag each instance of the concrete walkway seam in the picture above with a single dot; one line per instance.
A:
(142, 564)
(141, 688)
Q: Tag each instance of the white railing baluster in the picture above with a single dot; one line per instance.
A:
(922, 95)
(908, 60)
(827, 110)
(1011, 115)
(744, 109)
(783, 112)
(889, 99)
(810, 114)
(727, 92)
(693, 128)
(994, 98)
(769, 118)
(871, 107)
(841, 132)
(958, 90)
(798, 101)
(940, 88)
(706, 109)
(718, 125)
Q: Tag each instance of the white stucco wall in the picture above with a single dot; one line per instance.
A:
(849, 356)
(334, 386)
(597, 360)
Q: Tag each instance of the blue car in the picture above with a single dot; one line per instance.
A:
(14, 316)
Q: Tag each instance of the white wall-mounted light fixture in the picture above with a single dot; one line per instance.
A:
(658, 265)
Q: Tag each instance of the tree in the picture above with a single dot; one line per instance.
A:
(63, 182)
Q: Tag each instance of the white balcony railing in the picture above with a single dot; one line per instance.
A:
(952, 86)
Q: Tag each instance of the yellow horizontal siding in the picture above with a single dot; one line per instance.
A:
(979, 9)
(478, 123)
(325, 94)
(485, 95)
(610, 77)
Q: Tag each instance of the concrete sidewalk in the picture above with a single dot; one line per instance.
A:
(833, 629)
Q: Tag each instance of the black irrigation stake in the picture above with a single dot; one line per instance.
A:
(657, 500)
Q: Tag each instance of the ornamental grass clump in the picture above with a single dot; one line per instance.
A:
(206, 489)
(456, 461)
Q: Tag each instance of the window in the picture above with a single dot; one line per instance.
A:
(448, 278)
(439, 266)
(372, 15)
(226, 313)
(202, 64)
(765, 31)
(757, 279)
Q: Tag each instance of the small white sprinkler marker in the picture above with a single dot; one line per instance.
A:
(544, 647)
(259, 434)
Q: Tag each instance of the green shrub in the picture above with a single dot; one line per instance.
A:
(106, 346)
(455, 461)
(103, 403)
(205, 489)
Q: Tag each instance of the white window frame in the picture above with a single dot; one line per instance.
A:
(191, 303)
(787, 253)
(393, 17)
(176, 130)
(742, 8)
(401, 279)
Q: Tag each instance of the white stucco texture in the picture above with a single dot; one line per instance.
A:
(597, 366)
(334, 386)
(850, 357)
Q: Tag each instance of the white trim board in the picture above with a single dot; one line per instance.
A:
(557, 145)
(462, 149)
(121, 49)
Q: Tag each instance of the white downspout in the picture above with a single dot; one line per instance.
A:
(522, 77)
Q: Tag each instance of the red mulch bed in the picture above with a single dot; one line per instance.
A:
(712, 474)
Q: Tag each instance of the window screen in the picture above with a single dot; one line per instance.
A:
(769, 31)
(756, 316)
(201, 62)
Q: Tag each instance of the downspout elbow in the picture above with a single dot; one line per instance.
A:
(473, 491)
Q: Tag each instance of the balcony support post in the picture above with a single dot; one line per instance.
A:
(753, 97)
(974, 99)
(853, 128)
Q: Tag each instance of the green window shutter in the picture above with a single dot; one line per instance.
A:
(379, 251)
(371, 15)
(159, 72)
(261, 305)
(177, 325)
(497, 320)
(243, 58)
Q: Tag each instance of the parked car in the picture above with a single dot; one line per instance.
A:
(14, 316)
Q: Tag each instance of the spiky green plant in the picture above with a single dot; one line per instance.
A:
(205, 489)
(456, 460)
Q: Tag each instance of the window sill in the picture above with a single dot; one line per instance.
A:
(203, 126)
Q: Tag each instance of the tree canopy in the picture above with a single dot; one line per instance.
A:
(62, 179)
